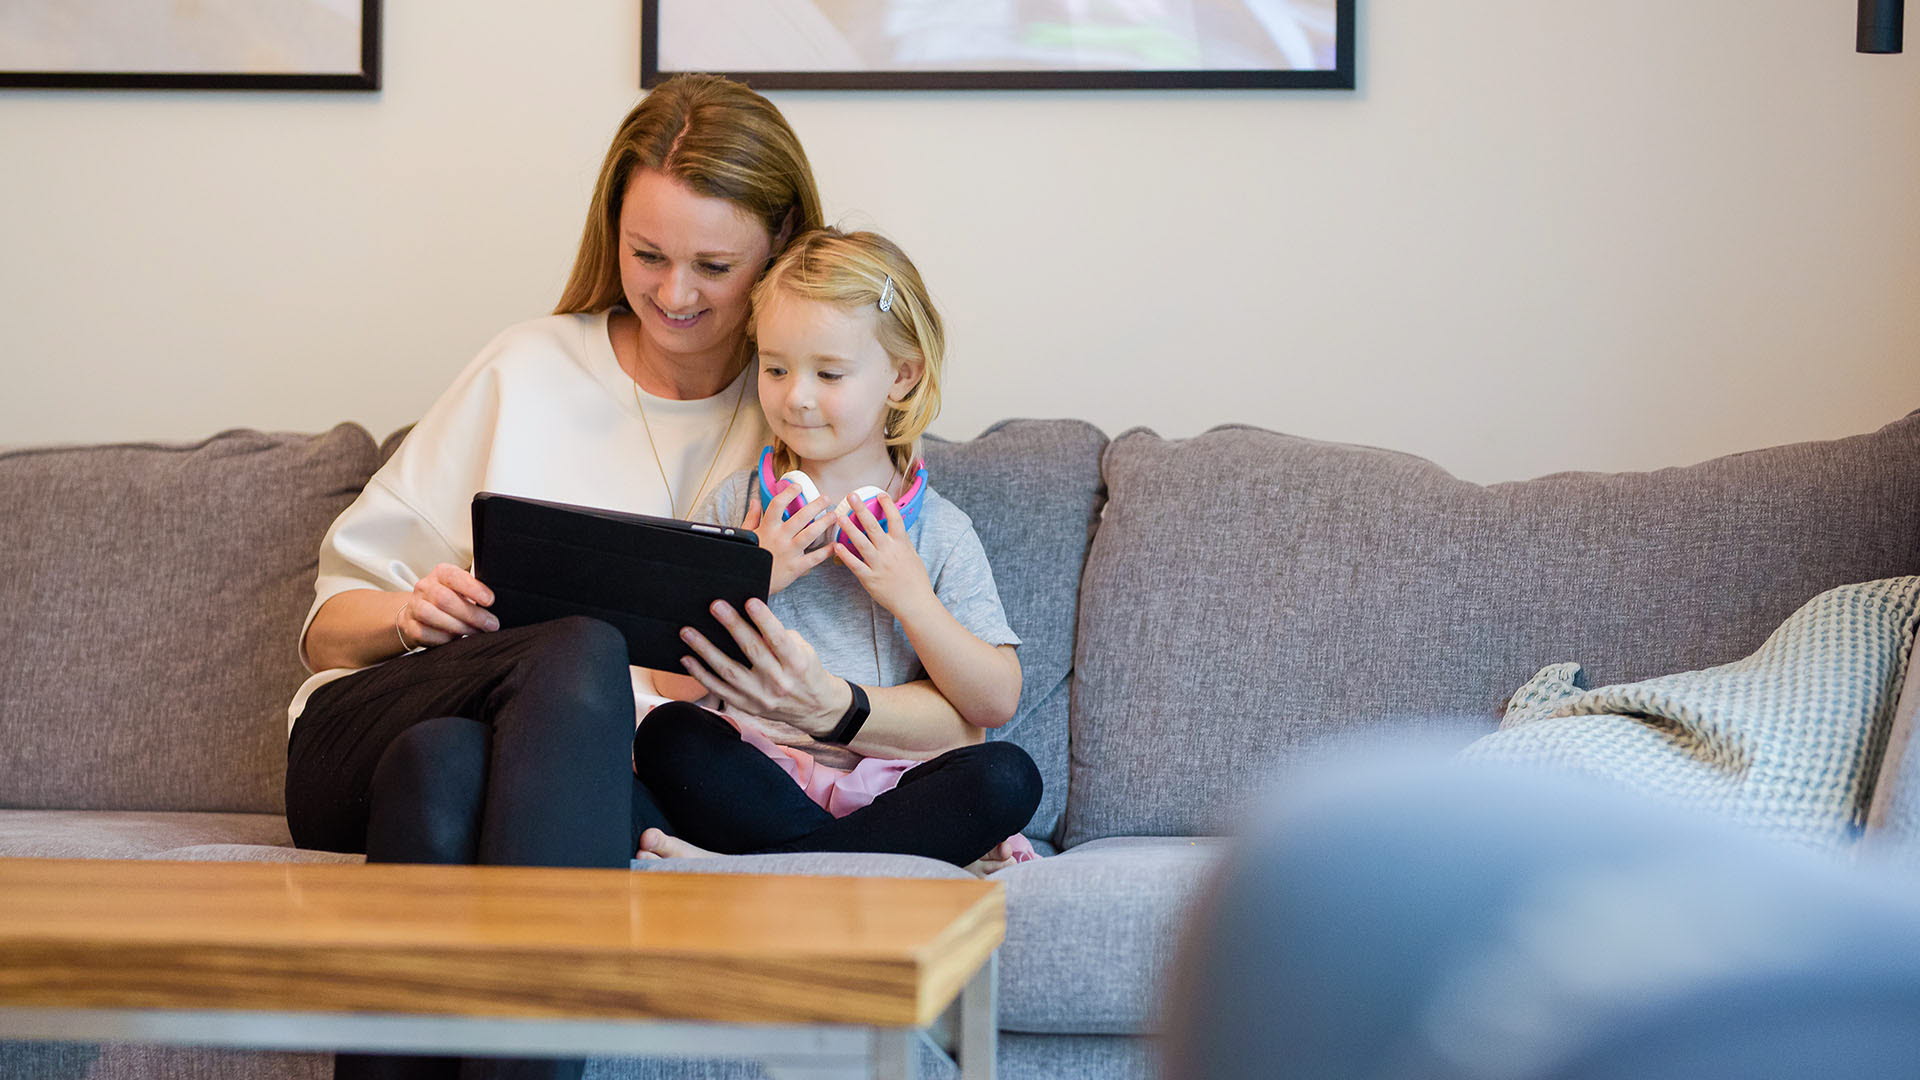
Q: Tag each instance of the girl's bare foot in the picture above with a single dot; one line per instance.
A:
(998, 859)
(655, 844)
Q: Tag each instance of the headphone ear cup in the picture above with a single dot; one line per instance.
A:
(809, 491)
(871, 497)
(910, 502)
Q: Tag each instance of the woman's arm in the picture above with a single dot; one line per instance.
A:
(365, 626)
(354, 629)
(913, 721)
(784, 684)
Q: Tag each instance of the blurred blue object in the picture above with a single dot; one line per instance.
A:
(1453, 921)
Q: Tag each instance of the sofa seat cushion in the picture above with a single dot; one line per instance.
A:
(252, 853)
(1091, 932)
(255, 838)
(150, 601)
(35, 1060)
(816, 864)
(810, 864)
(130, 834)
(1369, 593)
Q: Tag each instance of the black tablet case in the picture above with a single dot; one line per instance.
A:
(647, 576)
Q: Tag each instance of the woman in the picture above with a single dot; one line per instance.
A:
(429, 735)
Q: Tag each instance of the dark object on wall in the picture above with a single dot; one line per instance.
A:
(1035, 45)
(1880, 26)
(107, 44)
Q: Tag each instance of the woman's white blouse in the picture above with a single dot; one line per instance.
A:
(544, 412)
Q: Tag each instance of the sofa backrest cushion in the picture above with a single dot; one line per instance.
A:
(150, 598)
(1893, 818)
(1250, 595)
(1032, 488)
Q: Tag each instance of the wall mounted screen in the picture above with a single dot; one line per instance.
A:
(198, 45)
(1002, 44)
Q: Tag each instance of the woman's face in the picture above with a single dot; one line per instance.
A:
(687, 265)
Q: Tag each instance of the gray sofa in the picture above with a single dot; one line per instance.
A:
(1197, 615)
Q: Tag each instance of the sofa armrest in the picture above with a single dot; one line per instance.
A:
(1893, 817)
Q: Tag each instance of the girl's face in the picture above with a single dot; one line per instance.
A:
(687, 263)
(824, 379)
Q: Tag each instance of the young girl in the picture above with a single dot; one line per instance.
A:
(850, 358)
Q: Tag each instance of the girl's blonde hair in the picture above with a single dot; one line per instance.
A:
(718, 138)
(853, 270)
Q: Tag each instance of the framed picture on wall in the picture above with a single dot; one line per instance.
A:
(202, 45)
(1002, 44)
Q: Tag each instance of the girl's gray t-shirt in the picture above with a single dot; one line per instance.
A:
(856, 638)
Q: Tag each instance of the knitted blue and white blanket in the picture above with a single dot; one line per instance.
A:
(1786, 741)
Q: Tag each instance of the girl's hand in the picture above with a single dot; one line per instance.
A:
(789, 540)
(447, 604)
(885, 563)
(782, 681)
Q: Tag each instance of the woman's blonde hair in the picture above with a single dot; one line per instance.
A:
(718, 138)
(853, 271)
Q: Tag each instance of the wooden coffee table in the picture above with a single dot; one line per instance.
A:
(814, 977)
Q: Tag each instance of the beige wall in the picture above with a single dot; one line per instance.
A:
(1540, 236)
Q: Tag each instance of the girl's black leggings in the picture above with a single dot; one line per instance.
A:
(512, 748)
(722, 794)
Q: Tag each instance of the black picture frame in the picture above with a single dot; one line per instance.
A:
(1340, 77)
(367, 78)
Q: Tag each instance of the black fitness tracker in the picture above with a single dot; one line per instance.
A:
(855, 716)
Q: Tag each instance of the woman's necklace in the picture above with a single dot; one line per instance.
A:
(673, 503)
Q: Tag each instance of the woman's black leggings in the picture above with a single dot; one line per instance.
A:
(722, 794)
(507, 748)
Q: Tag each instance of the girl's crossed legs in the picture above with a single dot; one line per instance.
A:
(723, 795)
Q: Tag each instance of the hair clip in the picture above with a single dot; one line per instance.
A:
(886, 295)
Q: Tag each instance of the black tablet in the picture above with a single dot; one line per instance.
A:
(647, 576)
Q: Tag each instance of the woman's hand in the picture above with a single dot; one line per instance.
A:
(780, 734)
(885, 563)
(782, 680)
(789, 540)
(447, 604)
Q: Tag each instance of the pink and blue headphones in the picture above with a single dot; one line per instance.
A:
(909, 503)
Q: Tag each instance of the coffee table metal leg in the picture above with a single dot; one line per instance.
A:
(893, 1054)
(980, 1022)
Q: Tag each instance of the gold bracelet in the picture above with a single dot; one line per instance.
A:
(405, 649)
